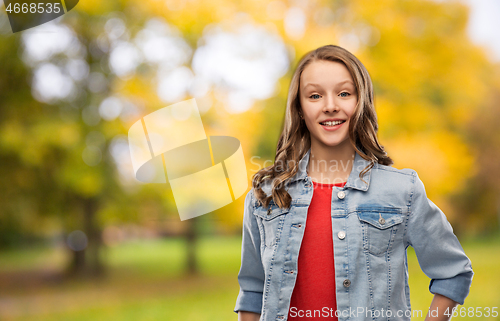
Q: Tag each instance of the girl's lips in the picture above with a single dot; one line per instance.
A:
(332, 128)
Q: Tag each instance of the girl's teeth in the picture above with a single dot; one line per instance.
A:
(332, 123)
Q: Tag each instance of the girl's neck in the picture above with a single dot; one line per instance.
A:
(329, 165)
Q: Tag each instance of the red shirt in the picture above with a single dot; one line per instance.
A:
(313, 296)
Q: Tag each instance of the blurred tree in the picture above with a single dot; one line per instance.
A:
(56, 151)
(16, 205)
(477, 202)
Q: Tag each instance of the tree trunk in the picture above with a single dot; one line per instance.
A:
(191, 238)
(94, 235)
(87, 262)
(77, 264)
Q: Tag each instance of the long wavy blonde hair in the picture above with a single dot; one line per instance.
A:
(295, 139)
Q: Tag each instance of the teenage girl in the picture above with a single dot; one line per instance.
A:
(326, 227)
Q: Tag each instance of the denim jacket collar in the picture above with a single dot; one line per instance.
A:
(353, 181)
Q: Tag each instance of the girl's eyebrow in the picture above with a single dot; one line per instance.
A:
(340, 83)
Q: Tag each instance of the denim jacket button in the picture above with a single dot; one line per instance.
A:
(341, 194)
(341, 235)
(269, 211)
(347, 283)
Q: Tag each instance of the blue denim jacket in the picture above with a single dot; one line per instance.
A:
(372, 223)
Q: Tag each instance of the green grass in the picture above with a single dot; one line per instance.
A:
(145, 282)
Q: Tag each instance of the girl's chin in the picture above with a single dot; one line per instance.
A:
(334, 139)
(334, 143)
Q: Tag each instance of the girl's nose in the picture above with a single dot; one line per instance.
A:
(330, 105)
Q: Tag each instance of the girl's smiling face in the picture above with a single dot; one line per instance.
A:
(328, 98)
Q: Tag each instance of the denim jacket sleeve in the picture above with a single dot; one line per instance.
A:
(251, 274)
(438, 250)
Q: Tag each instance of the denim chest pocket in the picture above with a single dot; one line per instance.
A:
(379, 225)
(272, 220)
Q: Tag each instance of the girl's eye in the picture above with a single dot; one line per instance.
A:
(346, 94)
(313, 95)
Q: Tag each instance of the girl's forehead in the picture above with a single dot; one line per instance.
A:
(326, 70)
(326, 77)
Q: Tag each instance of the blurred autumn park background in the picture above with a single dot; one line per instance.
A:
(81, 239)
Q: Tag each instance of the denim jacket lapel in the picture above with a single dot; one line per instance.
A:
(353, 181)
